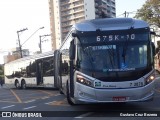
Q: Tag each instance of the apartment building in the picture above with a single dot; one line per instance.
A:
(65, 13)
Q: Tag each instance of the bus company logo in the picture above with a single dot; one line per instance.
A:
(97, 84)
(20, 114)
(6, 114)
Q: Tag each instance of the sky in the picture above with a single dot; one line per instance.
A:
(128, 6)
(16, 15)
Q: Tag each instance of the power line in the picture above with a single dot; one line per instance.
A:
(126, 14)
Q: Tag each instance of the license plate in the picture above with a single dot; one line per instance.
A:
(121, 98)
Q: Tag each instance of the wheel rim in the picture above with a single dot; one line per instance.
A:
(23, 85)
(17, 84)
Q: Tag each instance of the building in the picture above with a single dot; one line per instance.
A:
(65, 13)
(15, 54)
(156, 38)
(10, 57)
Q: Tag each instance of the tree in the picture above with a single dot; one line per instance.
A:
(150, 12)
(1, 72)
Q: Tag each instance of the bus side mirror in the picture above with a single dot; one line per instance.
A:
(74, 35)
(153, 49)
(153, 33)
(72, 50)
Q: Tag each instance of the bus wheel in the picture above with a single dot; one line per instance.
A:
(23, 84)
(60, 91)
(68, 95)
(17, 84)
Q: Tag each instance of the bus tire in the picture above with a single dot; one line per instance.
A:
(17, 84)
(23, 84)
(60, 91)
(68, 95)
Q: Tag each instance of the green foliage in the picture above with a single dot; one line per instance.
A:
(1, 72)
(150, 12)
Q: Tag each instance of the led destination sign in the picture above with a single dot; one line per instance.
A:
(121, 37)
(113, 38)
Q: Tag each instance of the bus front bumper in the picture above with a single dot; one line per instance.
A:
(85, 94)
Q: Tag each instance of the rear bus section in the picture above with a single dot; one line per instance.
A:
(31, 71)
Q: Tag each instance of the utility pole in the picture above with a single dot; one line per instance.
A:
(40, 44)
(125, 14)
(40, 41)
(19, 42)
(20, 45)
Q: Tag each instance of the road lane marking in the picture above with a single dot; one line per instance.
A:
(59, 102)
(17, 97)
(45, 98)
(5, 101)
(29, 107)
(84, 115)
(7, 106)
(35, 98)
(50, 102)
(30, 101)
(50, 94)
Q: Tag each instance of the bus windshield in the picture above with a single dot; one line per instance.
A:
(109, 57)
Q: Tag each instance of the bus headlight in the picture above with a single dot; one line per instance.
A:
(85, 81)
(150, 79)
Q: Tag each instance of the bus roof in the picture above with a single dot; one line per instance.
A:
(110, 24)
(34, 57)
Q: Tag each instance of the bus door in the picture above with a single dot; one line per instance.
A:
(39, 71)
(58, 81)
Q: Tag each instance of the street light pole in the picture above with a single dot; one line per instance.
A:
(40, 42)
(20, 47)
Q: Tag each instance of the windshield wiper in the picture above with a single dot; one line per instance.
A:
(125, 47)
(88, 53)
(110, 50)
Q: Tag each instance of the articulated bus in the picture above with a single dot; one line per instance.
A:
(32, 71)
(106, 60)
